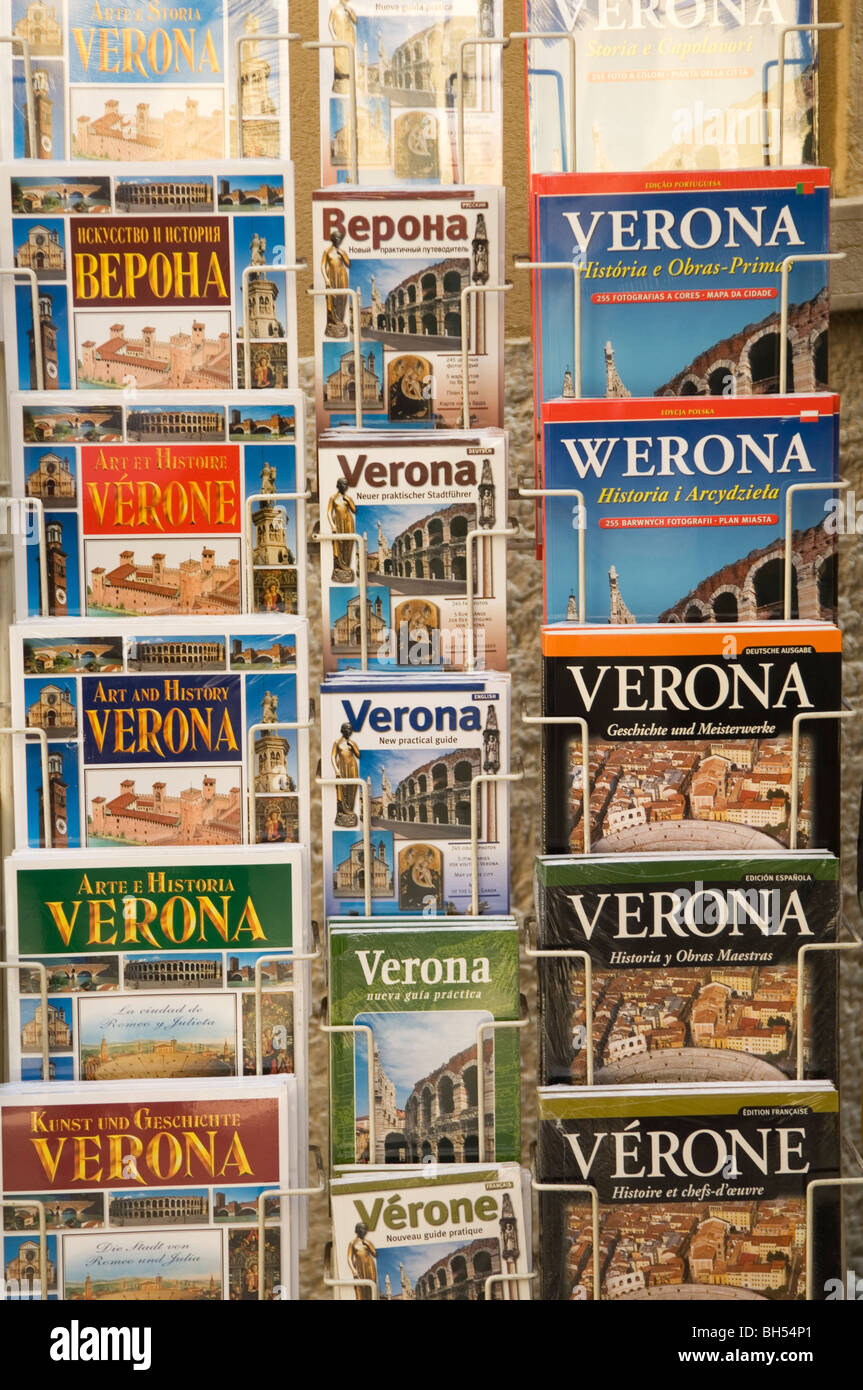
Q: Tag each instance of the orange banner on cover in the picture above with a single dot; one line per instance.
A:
(696, 640)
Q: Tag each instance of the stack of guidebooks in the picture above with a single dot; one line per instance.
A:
(688, 896)
(158, 896)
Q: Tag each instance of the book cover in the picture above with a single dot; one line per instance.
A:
(406, 60)
(140, 277)
(701, 967)
(160, 510)
(691, 737)
(422, 999)
(702, 1191)
(681, 281)
(409, 255)
(671, 85)
(184, 734)
(716, 476)
(152, 1199)
(433, 1237)
(147, 82)
(422, 504)
(151, 970)
(417, 746)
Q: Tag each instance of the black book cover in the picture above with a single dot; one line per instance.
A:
(701, 1192)
(691, 735)
(702, 968)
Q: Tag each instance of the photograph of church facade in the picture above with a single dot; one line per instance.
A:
(21, 1263)
(200, 814)
(340, 390)
(349, 875)
(40, 29)
(41, 250)
(59, 1027)
(187, 359)
(53, 478)
(53, 709)
(345, 631)
(440, 1118)
(210, 584)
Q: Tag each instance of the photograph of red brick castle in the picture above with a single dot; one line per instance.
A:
(163, 576)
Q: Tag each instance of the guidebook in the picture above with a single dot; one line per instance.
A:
(683, 513)
(701, 1192)
(153, 971)
(186, 506)
(706, 966)
(146, 82)
(409, 255)
(424, 506)
(182, 734)
(700, 737)
(162, 281)
(671, 85)
(681, 281)
(405, 60)
(433, 1236)
(422, 1001)
(152, 1199)
(411, 749)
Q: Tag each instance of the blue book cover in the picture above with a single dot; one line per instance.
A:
(682, 513)
(417, 745)
(680, 283)
(189, 732)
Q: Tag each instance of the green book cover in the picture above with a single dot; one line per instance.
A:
(422, 1000)
(151, 966)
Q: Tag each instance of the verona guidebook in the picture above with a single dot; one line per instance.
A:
(169, 280)
(181, 733)
(145, 82)
(192, 504)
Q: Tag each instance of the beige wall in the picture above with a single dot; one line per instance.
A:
(841, 136)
